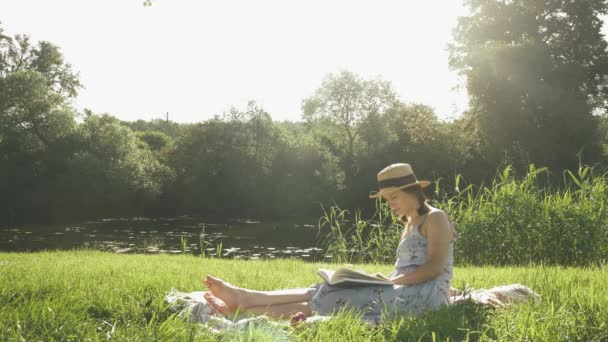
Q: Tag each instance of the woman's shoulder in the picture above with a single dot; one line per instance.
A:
(436, 212)
(437, 218)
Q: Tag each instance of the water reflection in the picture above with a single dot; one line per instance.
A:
(240, 239)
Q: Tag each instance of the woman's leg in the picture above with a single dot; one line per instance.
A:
(276, 297)
(273, 310)
(281, 310)
(235, 297)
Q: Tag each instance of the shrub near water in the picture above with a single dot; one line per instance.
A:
(516, 222)
(510, 222)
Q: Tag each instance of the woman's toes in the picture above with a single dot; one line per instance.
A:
(211, 282)
(212, 279)
(225, 292)
(217, 304)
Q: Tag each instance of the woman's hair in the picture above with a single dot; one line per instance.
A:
(422, 197)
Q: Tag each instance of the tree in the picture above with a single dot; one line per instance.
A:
(603, 133)
(155, 140)
(37, 125)
(224, 165)
(420, 138)
(110, 174)
(536, 72)
(343, 104)
(170, 128)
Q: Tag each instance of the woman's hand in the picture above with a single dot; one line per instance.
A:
(400, 279)
(380, 275)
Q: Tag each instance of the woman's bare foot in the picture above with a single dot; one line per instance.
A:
(230, 295)
(218, 305)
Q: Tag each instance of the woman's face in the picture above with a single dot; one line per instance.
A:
(402, 203)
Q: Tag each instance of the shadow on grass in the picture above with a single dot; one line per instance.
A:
(465, 321)
(462, 322)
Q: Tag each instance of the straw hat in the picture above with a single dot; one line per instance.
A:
(395, 177)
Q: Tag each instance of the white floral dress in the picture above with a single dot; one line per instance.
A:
(396, 299)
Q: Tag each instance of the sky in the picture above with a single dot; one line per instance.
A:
(196, 59)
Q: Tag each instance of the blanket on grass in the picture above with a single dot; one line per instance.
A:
(193, 307)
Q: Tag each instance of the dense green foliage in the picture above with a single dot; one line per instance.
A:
(536, 73)
(516, 221)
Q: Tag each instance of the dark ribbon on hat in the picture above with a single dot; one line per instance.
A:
(399, 181)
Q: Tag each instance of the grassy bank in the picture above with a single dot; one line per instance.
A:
(90, 295)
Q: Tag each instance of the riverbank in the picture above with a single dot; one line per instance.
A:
(93, 295)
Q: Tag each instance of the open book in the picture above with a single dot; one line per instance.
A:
(346, 277)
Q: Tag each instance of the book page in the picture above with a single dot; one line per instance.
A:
(348, 277)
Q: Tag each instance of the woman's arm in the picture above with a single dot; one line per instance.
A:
(421, 274)
(439, 233)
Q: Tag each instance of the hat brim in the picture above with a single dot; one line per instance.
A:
(422, 184)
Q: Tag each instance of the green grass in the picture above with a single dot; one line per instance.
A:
(91, 295)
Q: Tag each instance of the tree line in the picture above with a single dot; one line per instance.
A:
(536, 75)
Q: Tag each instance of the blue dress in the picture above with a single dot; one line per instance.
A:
(394, 299)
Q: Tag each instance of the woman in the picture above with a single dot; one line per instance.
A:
(421, 277)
